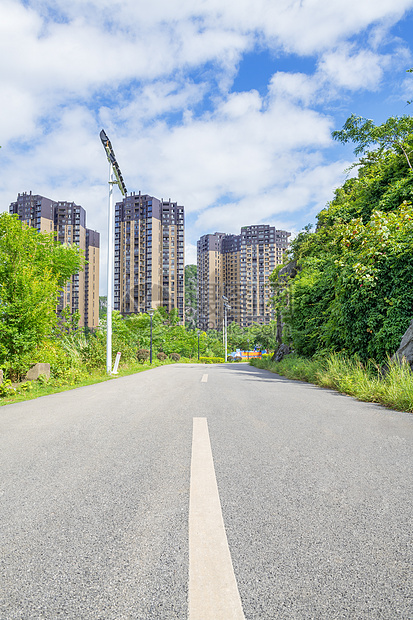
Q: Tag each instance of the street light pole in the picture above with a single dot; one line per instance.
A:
(226, 307)
(198, 346)
(110, 275)
(115, 178)
(151, 312)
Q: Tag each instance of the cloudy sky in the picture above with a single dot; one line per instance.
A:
(225, 106)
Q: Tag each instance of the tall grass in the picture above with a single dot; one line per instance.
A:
(367, 382)
(65, 381)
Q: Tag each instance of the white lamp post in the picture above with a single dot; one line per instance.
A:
(226, 307)
(115, 178)
(151, 312)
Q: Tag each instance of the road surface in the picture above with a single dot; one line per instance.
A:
(206, 492)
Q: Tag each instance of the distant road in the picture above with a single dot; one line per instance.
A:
(254, 496)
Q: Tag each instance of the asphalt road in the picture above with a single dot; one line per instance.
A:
(315, 490)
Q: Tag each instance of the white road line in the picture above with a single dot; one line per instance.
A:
(204, 378)
(213, 590)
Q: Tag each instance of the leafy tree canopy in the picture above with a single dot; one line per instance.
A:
(352, 290)
(395, 134)
(33, 269)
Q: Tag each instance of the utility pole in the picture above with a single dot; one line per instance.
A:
(115, 178)
(226, 307)
(151, 312)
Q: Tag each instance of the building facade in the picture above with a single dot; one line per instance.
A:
(238, 267)
(210, 281)
(68, 221)
(149, 255)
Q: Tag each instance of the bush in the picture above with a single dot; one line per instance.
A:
(161, 356)
(63, 355)
(6, 388)
(211, 360)
(143, 355)
(175, 357)
(349, 375)
(94, 356)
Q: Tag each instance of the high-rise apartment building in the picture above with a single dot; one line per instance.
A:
(210, 281)
(92, 278)
(36, 211)
(238, 267)
(68, 221)
(149, 255)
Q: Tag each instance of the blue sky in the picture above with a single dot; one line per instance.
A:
(225, 106)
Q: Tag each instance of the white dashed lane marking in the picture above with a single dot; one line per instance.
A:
(204, 379)
(213, 590)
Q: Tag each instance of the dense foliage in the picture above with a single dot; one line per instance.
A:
(353, 288)
(33, 269)
(133, 332)
(191, 296)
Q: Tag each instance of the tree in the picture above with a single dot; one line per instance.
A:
(351, 289)
(103, 306)
(190, 296)
(33, 269)
(395, 134)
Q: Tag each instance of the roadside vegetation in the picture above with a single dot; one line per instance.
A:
(351, 290)
(367, 382)
(346, 297)
(77, 357)
(34, 270)
(191, 307)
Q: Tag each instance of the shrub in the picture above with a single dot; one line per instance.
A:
(143, 355)
(175, 357)
(161, 356)
(349, 375)
(94, 356)
(6, 388)
(63, 355)
(211, 360)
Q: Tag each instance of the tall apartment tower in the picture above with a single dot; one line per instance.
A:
(68, 221)
(262, 249)
(238, 267)
(92, 278)
(36, 211)
(149, 255)
(210, 281)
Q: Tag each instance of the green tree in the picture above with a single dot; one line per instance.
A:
(33, 269)
(103, 306)
(395, 134)
(351, 287)
(191, 296)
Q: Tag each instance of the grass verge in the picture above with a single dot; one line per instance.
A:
(349, 376)
(34, 389)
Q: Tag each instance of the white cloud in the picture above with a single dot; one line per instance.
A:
(298, 87)
(354, 69)
(303, 26)
(190, 254)
(407, 91)
(313, 186)
(157, 77)
(243, 148)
